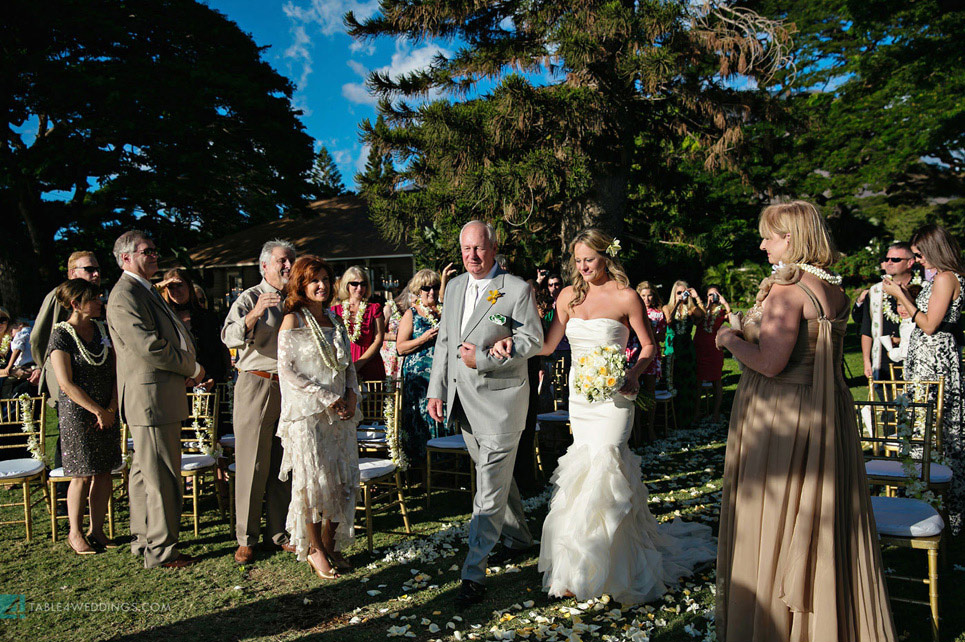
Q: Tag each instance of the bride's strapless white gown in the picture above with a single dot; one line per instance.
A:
(599, 536)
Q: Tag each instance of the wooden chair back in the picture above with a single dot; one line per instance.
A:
(203, 408)
(22, 422)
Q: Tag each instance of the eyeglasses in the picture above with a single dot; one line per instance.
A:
(148, 251)
(357, 284)
(429, 288)
(894, 259)
(90, 269)
(918, 255)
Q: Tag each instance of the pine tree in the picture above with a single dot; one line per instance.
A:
(542, 161)
(325, 177)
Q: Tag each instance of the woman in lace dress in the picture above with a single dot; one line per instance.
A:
(933, 350)
(319, 415)
(798, 557)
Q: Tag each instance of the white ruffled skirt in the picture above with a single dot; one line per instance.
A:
(599, 536)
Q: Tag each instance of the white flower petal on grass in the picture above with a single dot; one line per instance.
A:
(373, 593)
(434, 628)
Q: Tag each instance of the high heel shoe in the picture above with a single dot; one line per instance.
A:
(342, 566)
(331, 575)
(90, 551)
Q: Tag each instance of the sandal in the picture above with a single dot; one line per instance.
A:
(89, 551)
(342, 566)
(332, 575)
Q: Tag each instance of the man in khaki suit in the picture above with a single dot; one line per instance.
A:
(155, 362)
(251, 327)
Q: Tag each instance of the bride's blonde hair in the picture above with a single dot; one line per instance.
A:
(598, 241)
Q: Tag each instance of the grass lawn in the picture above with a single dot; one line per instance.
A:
(406, 588)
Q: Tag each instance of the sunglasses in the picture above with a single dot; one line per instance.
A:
(4, 320)
(429, 288)
(151, 251)
(90, 269)
(357, 284)
(894, 259)
(918, 255)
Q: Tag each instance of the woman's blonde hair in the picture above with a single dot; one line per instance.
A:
(646, 285)
(810, 241)
(354, 273)
(421, 279)
(598, 241)
(689, 304)
(939, 248)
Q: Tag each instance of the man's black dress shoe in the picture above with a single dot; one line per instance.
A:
(503, 554)
(470, 593)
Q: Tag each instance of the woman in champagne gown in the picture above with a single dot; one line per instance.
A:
(599, 536)
(799, 558)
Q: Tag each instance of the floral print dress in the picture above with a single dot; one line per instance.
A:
(417, 426)
(938, 355)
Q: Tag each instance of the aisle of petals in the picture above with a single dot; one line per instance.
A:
(683, 474)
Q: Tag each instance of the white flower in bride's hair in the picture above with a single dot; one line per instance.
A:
(614, 247)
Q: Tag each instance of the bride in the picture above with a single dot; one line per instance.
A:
(599, 536)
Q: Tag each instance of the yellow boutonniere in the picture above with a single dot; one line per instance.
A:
(493, 296)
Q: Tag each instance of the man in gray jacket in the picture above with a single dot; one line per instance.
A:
(485, 396)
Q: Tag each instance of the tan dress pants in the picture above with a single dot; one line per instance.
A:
(155, 492)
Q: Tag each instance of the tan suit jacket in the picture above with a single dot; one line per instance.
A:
(51, 313)
(151, 366)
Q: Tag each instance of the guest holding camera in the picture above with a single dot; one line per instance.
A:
(710, 358)
(683, 312)
(83, 362)
(933, 350)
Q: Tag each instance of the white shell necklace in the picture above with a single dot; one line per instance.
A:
(85, 354)
(428, 314)
(326, 349)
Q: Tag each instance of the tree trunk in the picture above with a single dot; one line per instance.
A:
(605, 209)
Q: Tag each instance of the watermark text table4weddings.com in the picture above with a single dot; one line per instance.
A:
(15, 606)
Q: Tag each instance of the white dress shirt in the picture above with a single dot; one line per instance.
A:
(474, 291)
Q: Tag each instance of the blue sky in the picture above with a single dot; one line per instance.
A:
(308, 44)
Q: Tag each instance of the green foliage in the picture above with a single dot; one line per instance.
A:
(542, 162)
(325, 177)
(739, 284)
(158, 114)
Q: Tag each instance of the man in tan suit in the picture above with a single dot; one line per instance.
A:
(252, 328)
(155, 361)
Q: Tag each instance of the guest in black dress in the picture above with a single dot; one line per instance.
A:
(80, 353)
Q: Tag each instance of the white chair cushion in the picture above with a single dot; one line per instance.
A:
(13, 468)
(56, 473)
(120, 469)
(370, 468)
(664, 395)
(556, 415)
(707, 384)
(227, 441)
(891, 468)
(130, 443)
(231, 467)
(373, 432)
(906, 517)
(196, 461)
(452, 442)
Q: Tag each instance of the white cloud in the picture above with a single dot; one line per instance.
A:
(325, 16)
(363, 158)
(406, 59)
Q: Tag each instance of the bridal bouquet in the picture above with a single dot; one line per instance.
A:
(600, 372)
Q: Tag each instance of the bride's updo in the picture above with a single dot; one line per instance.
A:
(598, 241)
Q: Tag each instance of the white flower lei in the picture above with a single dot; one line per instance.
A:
(203, 433)
(914, 486)
(824, 275)
(85, 354)
(427, 314)
(392, 432)
(326, 350)
(354, 332)
(26, 425)
(5, 344)
(394, 314)
(886, 302)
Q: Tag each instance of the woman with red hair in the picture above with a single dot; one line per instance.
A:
(319, 415)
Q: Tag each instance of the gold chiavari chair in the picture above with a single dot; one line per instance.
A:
(22, 449)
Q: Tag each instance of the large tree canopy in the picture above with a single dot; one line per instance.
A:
(157, 113)
(543, 159)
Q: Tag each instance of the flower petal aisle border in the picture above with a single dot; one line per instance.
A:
(693, 494)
